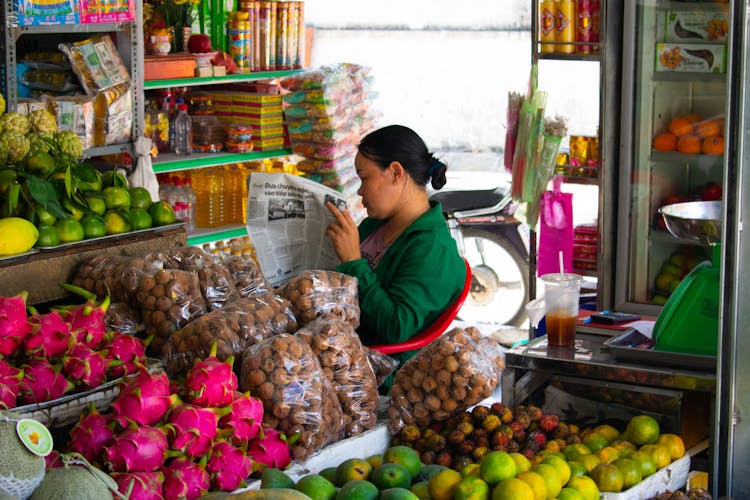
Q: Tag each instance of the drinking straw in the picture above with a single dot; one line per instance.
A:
(562, 266)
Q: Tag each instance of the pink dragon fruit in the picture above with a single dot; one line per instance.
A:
(137, 449)
(10, 381)
(128, 350)
(228, 466)
(184, 479)
(91, 434)
(191, 429)
(243, 422)
(211, 382)
(87, 322)
(42, 382)
(13, 325)
(272, 450)
(144, 398)
(86, 367)
(50, 335)
(141, 485)
(53, 460)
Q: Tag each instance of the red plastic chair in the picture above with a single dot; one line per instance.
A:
(436, 329)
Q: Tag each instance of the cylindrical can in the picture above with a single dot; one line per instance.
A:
(593, 152)
(240, 32)
(299, 61)
(547, 26)
(293, 32)
(282, 32)
(565, 26)
(584, 24)
(579, 150)
(266, 39)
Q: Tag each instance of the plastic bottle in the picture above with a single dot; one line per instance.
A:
(190, 199)
(236, 178)
(208, 185)
(165, 188)
(183, 134)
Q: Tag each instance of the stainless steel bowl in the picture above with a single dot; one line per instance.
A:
(694, 220)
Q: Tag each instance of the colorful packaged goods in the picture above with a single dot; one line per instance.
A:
(690, 26)
(96, 62)
(47, 12)
(113, 11)
(693, 57)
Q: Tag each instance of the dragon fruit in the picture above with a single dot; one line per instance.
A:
(228, 466)
(272, 450)
(87, 320)
(243, 422)
(191, 429)
(53, 460)
(144, 398)
(86, 367)
(184, 479)
(211, 382)
(10, 381)
(91, 434)
(42, 382)
(13, 325)
(137, 449)
(50, 335)
(142, 485)
(128, 350)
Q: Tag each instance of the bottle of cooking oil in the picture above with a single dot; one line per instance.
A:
(208, 184)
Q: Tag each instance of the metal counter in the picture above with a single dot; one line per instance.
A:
(531, 366)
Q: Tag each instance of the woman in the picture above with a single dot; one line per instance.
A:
(403, 255)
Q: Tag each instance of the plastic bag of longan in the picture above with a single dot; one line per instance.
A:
(343, 359)
(322, 294)
(186, 258)
(168, 299)
(115, 276)
(298, 399)
(121, 317)
(248, 278)
(454, 372)
(382, 364)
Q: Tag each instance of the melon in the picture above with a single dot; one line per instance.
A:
(73, 482)
(20, 470)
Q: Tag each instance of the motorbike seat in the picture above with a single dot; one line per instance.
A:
(456, 201)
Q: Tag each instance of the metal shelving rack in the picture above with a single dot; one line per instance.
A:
(129, 43)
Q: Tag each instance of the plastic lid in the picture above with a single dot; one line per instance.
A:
(562, 279)
(182, 107)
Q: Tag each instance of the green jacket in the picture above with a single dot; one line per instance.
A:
(419, 275)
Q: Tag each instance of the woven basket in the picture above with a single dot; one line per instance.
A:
(67, 409)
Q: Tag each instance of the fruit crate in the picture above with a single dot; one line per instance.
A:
(672, 477)
(40, 273)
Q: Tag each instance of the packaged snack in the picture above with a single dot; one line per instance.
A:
(113, 115)
(238, 147)
(53, 80)
(76, 113)
(96, 62)
(239, 132)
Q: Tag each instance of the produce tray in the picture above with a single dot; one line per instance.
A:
(8, 259)
(672, 477)
(636, 347)
(68, 408)
(112, 237)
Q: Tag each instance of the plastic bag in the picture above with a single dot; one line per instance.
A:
(322, 294)
(382, 364)
(248, 278)
(451, 374)
(143, 175)
(168, 299)
(555, 231)
(113, 275)
(121, 317)
(96, 62)
(298, 399)
(343, 359)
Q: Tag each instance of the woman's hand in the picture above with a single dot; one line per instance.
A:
(343, 234)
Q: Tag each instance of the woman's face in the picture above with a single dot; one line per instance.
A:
(378, 190)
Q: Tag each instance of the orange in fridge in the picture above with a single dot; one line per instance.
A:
(710, 127)
(713, 145)
(665, 141)
(689, 143)
(680, 125)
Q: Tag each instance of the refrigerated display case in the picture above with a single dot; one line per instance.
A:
(674, 93)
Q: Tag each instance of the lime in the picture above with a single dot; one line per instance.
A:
(116, 223)
(140, 198)
(93, 226)
(69, 230)
(47, 236)
(96, 204)
(40, 163)
(116, 197)
(140, 219)
(162, 213)
(45, 217)
(75, 211)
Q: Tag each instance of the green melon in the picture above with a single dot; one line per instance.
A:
(74, 483)
(20, 470)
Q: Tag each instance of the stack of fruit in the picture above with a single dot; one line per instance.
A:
(51, 197)
(44, 356)
(692, 134)
(674, 270)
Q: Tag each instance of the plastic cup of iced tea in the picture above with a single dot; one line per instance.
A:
(561, 297)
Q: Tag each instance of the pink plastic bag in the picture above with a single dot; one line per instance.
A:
(555, 231)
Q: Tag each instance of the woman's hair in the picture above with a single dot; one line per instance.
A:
(402, 144)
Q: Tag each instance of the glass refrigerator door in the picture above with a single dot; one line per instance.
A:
(674, 94)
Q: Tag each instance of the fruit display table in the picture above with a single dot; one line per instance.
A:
(588, 382)
(39, 272)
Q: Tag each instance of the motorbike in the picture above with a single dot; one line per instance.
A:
(491, 239)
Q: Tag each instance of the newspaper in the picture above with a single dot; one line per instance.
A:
(286, 221)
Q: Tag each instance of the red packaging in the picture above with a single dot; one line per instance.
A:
(595, 11)
(584, 26)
